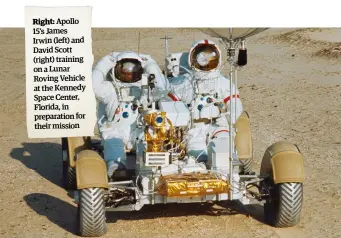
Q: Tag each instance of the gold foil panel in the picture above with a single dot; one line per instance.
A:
(185, 185)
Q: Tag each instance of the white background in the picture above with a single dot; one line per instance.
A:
(190, 13)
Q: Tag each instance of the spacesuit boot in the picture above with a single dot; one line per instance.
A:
(114, 155)
(200, 155)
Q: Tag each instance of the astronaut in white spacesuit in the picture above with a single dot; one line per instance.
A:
(207, 93)
(119, 99)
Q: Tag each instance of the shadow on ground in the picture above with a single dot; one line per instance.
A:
(45, 158)
(57, 211)
(193, 209)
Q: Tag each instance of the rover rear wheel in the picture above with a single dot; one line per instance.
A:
(247, 166)
(69, 173)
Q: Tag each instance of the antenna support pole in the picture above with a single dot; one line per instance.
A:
(166, 38)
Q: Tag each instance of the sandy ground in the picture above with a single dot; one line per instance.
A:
(291, 89)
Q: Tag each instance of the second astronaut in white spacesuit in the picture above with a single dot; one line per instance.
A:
(207, 92)
(119, 99)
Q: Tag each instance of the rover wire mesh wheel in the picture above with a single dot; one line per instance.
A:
(91, 213)
(247, 163)
(247, 166)
(285, 205)
(69, 176)
(69, 173)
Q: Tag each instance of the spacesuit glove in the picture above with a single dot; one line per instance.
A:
(223, 121)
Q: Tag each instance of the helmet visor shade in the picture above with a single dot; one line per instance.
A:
(205, 57)
(128, 70)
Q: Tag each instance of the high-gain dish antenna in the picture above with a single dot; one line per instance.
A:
(232, 38)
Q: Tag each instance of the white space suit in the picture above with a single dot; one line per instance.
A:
(119, 83)
(207, 92)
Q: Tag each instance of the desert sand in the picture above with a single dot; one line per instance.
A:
(291, 89)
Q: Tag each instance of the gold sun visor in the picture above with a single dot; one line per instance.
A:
(196, 184)
(205, 57)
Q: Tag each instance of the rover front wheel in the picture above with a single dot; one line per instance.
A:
(91, 212)
(284, 206)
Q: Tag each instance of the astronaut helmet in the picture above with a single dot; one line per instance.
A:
(128, 67)
(204, 56)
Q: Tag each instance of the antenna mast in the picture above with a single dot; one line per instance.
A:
(138, 46)
(166, 38)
